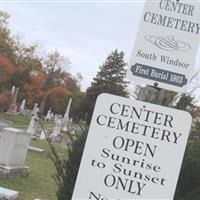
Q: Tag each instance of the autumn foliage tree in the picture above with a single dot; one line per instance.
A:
(36, 75)
(35, 89)
(7, 71)
(56, 97)
(5, 100)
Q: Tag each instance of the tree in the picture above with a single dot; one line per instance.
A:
(56, 97)
(5, 100)
(7, 72)
(110, 79)
(6, 42)
(184, 102)
(35, 90)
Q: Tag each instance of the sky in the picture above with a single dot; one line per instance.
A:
(84, 32)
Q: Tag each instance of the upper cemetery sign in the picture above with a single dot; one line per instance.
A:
(166, 44)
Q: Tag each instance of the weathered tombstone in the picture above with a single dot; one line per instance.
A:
(66, 116)
(13, 150)
(7, 194)
(42, 135)
(22, 107)
(48, 117)
(13, 106)
(13, 89)
(34, 120)
(42, 105)
(57, 126)
(57, 139)
(35, 109)
(35, 149)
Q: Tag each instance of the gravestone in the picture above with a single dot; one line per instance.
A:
(42, 105)
(57, 139)
(42, 135)
(66, 116)
(57, 126)
(34, 120)
(48, 117)
(13, 89)
(7, 194)
(13, 150)
(22, 107)
(13, 106)
(35, 149)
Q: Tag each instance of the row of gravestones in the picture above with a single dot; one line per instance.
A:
(14, 143)
(59, 121)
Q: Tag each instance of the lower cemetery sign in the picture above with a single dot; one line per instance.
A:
(134, 150)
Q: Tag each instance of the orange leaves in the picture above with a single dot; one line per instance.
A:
(56, 96)
(5, 100)
(6, 69)
(36, 89)
(39, 88)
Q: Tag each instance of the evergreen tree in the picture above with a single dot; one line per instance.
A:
(184, 102)
(110, 79)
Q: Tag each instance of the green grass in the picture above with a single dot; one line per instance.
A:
(39, 184)
(18, 120)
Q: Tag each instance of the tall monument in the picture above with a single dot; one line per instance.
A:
(13, 106)
(66, 116)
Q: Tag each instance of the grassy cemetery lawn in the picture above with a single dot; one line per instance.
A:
(39, 184)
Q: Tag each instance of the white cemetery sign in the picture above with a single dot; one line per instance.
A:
(166, 44)
(134, 150)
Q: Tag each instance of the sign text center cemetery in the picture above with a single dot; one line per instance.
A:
(134, 149)
(166, 44)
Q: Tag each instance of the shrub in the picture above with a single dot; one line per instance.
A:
(66, 170)
(188, 187)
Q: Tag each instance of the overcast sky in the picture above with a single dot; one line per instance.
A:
(84, 32)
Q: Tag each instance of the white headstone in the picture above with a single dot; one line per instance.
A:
(48, 117)
(66, 116)
(13, 146)
(13, 89)
(35, 109)
(35, 149)
(32, 127)
(57, 126)
(22, 106)
(42, 135)
(8, 194)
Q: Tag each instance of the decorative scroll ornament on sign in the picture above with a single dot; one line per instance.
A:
(168, 43)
